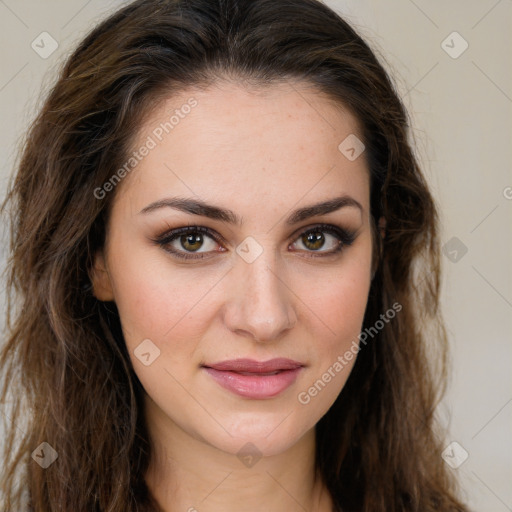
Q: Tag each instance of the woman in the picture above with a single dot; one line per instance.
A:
(218, 227)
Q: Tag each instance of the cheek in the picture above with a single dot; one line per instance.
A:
(338, 306)
(338, 299)
(163, 303)
(336, 353)
(344, 312)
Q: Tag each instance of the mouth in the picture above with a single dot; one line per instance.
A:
(255, 379)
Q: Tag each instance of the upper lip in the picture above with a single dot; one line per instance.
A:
(253, 366)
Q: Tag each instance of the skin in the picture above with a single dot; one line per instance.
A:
(261, 153)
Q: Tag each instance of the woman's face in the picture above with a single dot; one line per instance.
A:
(262, 279)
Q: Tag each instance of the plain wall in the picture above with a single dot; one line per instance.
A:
(461, 107)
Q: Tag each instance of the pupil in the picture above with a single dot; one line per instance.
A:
(192, 239)
(316, 239)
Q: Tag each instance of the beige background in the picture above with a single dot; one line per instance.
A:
(461, 110)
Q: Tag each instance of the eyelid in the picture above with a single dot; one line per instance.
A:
(172, 234)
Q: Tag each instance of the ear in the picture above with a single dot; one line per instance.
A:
(100, 279)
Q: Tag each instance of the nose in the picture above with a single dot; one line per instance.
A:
(261, 305)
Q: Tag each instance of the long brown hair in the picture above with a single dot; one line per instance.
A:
(64, 361)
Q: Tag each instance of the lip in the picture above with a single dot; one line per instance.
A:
(255, 379)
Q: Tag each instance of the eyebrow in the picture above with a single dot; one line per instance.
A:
(198, 207)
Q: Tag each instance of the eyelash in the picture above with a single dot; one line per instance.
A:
(346, 237)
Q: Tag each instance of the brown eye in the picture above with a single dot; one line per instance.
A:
(313, 240)
(191, 242)
(325, 240)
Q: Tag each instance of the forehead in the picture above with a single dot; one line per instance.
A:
(231, 109)
(230, 142)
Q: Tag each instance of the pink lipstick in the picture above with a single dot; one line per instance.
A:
(255, 379)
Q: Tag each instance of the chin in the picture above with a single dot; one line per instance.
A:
(264, 434)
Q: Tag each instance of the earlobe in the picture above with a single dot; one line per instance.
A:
(100, 279)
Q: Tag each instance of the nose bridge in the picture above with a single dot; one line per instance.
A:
(263, 305)
(262, 279)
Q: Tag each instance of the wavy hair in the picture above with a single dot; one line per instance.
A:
(64, 362)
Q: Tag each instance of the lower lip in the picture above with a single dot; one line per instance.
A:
(254, 386)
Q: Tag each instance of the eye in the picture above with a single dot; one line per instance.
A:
(188, 242)
(315, 239)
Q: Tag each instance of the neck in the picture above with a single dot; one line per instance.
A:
(187, 474)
